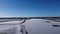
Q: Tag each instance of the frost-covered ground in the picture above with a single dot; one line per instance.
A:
(33, 26)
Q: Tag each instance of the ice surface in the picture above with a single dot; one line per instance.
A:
(33, 26)
(39, 26)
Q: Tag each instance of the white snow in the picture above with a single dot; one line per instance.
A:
(39, 26)
(33, 26)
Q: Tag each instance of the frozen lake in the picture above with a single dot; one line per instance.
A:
(33, 26)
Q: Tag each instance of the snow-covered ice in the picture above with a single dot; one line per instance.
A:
(33, 26)
(39, 26)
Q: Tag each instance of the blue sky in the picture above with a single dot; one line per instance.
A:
(28, 8)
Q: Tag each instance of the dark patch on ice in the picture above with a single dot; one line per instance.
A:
(56, 25)
(47, 21)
